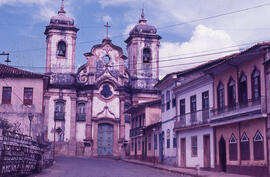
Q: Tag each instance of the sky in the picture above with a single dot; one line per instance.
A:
(192, 31)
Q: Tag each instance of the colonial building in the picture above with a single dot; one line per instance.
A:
(144, 132)
(168, 114)
(194, 99)
(21, 100)
(240, 114)
(85, 109)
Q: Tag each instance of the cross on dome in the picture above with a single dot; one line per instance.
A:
(107, 30)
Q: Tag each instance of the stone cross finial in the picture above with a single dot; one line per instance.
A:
(107, 30)
(62, 5)
(62, 10)
(142, 15)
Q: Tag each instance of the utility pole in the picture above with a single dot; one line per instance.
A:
(6, 54)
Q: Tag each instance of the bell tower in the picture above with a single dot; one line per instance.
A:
(143, 55)
(61, 37)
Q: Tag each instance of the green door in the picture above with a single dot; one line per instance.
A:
(105, 139)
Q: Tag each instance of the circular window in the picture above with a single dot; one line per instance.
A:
(106, 91)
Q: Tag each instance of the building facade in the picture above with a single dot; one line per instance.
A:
(168, 112)
(21, 100)
(85, 109)
(144, 132)
(195, 137)
(240, 116)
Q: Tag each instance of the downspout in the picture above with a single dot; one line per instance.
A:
(266, 120)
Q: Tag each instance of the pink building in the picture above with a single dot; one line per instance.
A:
(145, 130)
(21, 94)
(240, 116)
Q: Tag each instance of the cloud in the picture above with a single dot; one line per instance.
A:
(128, 29)
(203, 39)
(16, 2)
(107, 19)
(45, 13)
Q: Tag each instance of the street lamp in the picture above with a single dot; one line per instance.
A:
(155, 144)
(30, 117)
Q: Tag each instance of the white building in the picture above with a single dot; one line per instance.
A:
(167, 154)
(194, 98)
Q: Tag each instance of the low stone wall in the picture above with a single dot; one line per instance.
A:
(19, 154)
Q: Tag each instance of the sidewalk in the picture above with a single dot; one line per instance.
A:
(184, 171)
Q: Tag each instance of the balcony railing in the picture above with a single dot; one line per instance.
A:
(192, 119)
(80, 116)
(59, 115)
(136, 131)
(243, 107)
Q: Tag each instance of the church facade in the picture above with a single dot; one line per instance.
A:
(85, 109)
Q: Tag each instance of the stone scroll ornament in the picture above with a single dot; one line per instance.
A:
(83, 76)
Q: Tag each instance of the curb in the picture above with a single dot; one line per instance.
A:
(163, 168)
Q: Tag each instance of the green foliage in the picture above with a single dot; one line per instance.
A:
(4, 124)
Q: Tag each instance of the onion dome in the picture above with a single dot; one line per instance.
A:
(61, 18)
(143, 27)
(61, 21)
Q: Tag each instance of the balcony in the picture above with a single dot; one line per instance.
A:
(59, 116)
(80, 116)
(136, 131)
(193, 119)
(250, 109)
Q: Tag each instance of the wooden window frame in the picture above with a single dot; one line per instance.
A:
(6, 95)
(194, 146)
(28, 92)
(233, 152)
(258, 152)
(244, 147)
(256, 75)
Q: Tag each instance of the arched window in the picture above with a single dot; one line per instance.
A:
(61, 49)
(256, 89)
(243, 97)
(168, 100)
(244, 147)
(231, 93)
(258, 147)
(147, 55)
(59, 110)
(81, 112)
(220, 97)
(233, 148)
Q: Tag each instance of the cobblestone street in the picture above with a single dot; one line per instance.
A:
(99, 167)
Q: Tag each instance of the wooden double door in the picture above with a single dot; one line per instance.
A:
(105, 139)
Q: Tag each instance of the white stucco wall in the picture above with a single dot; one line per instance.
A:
(195, 87)
(168, 123)
(199, 160)
(80, 131)
(62, 64)
(51, 117)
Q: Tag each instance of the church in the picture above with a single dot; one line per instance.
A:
(84, 110)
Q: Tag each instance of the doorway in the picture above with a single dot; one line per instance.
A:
(222, 154)
(206, 151)
(183, 152)
(105, 139)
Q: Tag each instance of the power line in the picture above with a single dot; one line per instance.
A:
(203, 53)
(181, 64)
(169, 26)
(218, 15)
